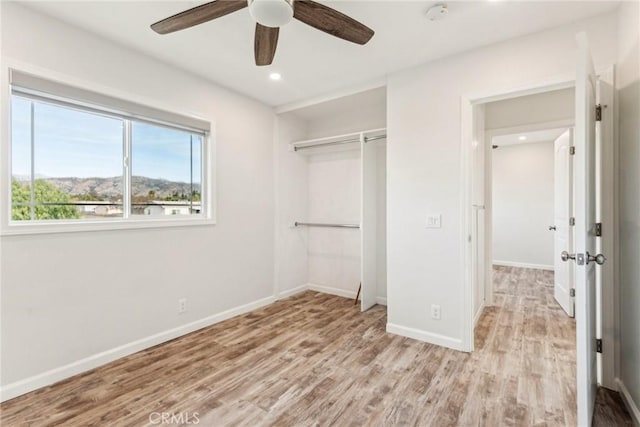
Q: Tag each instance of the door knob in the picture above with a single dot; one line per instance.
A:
(566, 256)
(599, 259)
(552, 227)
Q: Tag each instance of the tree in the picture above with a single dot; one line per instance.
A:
(20, 194)
(91, 196)
(45, 192)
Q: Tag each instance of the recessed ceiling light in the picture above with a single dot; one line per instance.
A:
(275, 76)
(522, 138)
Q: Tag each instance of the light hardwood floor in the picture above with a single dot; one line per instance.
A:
(314, 359)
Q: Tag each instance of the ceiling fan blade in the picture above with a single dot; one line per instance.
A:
(265, 44)
(198, 15)
(331, 21)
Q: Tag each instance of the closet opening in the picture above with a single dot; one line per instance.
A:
(331, 196)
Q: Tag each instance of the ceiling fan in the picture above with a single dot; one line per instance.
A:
(269, 16)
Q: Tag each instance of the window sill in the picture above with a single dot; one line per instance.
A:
(17, 229)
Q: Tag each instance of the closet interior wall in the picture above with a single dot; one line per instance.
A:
(324, 185)
(334, 185)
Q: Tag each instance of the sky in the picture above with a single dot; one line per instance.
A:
(70, 143)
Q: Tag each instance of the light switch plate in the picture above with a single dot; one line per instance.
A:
(434, 221)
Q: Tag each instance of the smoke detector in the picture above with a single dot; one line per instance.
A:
(437, 12)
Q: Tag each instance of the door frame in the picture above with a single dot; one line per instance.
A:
(473, 133)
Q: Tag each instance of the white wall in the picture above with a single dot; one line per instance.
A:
(291, 190)
(334, 197)
(628, 84)
(552, 106)
(425, 266)
(67, 297)
(523, 195)
(354, 113)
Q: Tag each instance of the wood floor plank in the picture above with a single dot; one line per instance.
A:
(315, 360)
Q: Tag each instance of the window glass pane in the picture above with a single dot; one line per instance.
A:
(68, 163)
(77, 163)
(20, 159)
(166, 169)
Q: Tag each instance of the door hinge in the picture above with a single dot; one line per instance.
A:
(599, 345)
(572, 221)
(598, 229)
(572, 150)
(572, 292)
(598, 113)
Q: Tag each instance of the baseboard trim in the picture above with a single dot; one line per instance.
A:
(523, 265)
(425, 336)
(292, 292)
(332, 291)
(628, 401)
(478, 314)
(54, 375)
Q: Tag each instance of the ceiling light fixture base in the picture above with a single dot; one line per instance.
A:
(271, 13)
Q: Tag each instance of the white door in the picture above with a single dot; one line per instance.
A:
(368, 225)
(562, 211)
(585, 237)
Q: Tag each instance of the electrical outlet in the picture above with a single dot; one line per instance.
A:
(435, 311)
(182, 305)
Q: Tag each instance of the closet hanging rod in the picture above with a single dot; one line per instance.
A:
(344, 141)
(319, 224)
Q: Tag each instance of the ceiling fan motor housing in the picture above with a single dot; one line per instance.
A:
(271, 13)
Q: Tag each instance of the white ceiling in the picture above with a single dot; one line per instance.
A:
(531, 137)
(311, 62)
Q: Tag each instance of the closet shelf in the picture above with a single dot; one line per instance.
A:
(350, 138)
(320, 224)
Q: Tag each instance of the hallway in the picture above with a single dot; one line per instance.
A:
(534, 339)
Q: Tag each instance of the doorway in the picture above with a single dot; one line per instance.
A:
(478, 226)
(519, 133)
(531, 207)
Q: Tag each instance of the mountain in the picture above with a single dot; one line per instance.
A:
(112, 187)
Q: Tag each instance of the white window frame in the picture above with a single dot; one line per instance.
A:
(128, 221)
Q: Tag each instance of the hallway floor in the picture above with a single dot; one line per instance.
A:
(544, 346)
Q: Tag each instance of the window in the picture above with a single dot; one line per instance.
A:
(166, 175)
(77, 162)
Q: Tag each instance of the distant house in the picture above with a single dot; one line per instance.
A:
(108, 210)
(86, 209)
(99, 208)
(172, 208)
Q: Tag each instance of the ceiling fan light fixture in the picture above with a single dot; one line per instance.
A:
(271, 13)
